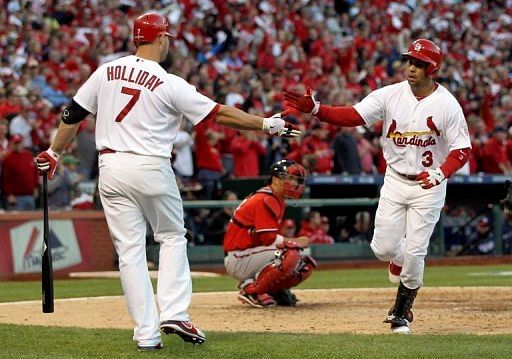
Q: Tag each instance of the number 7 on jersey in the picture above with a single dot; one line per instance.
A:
(135, 94)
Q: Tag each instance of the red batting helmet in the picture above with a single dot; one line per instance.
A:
(292, 174)
(148, 27)
(426, 51)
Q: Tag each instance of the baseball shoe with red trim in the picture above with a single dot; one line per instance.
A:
(185, 329)
(150, 348)
(257, 300)
(394, 273)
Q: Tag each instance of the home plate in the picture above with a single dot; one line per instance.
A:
(115, 274)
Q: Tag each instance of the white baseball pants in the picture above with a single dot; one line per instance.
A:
(406, 210)
(134, 188)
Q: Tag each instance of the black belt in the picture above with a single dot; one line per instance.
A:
(409, 177)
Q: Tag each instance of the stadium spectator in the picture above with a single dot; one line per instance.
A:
(242, 49)
(86, 148)
(182, 157)
(63, 188)
(247, 150)
(288, 228)
(317, 155)
(20, 182)
(4, 150)
(208, 159)
(481, 240)
(218, 221)
(311, 226)
(494, 155)
(346, 153)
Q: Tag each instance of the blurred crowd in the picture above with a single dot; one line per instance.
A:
(244, 53)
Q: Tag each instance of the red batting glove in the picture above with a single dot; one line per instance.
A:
(47, 162)
(302, 102)
(430, 178)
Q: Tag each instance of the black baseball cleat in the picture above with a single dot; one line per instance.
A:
(150, 348)
(399, 325)
(185, 329)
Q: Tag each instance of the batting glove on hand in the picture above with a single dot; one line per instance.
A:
(430, 178)
(47, 162)
(275, 125)
(302, 102)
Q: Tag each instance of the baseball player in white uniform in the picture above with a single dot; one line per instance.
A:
(425, 140)
(139, 108)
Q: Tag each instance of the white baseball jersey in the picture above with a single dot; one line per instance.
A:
(417, 134)
(140, 106)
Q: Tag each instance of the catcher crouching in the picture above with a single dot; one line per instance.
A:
(266, 263)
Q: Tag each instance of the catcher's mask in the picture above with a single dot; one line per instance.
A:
(293, 176)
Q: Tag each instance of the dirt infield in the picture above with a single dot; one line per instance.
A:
(446, 310)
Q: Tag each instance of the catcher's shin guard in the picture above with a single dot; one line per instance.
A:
(288, 270)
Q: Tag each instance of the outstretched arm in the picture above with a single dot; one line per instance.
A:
(241, 120)
(345, 116)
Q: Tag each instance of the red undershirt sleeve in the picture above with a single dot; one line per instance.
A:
(345, 116)
(212, 113)
(455, 160)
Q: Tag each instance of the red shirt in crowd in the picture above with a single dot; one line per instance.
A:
(19, 174)
(322, 152)
(493, 154)
(207, 156)
(255, 222)
(246, 155)
(316, 235)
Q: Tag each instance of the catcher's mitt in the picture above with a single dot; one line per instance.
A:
(507, 201)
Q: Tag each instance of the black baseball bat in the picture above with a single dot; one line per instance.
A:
(47, 268)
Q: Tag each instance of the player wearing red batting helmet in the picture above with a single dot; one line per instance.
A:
(148, 27)
(427, 52)
(427, 141)
(139, 107)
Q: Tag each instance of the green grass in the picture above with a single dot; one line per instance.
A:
(53, 342)
(45, 342)
(344, 278)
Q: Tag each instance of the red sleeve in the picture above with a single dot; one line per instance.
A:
(455, 160)
(345, 116)
(212, 114)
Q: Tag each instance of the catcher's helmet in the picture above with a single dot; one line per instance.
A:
(426, 51)
(293, 175)
(148, 27)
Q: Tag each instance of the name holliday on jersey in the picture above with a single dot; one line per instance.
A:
(139, 77)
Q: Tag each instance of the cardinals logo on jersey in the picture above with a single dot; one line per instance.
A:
(412, 138)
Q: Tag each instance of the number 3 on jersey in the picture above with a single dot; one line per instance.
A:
(135, 94)
(427, 159)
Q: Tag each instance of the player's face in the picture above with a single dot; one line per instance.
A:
(417, 72)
